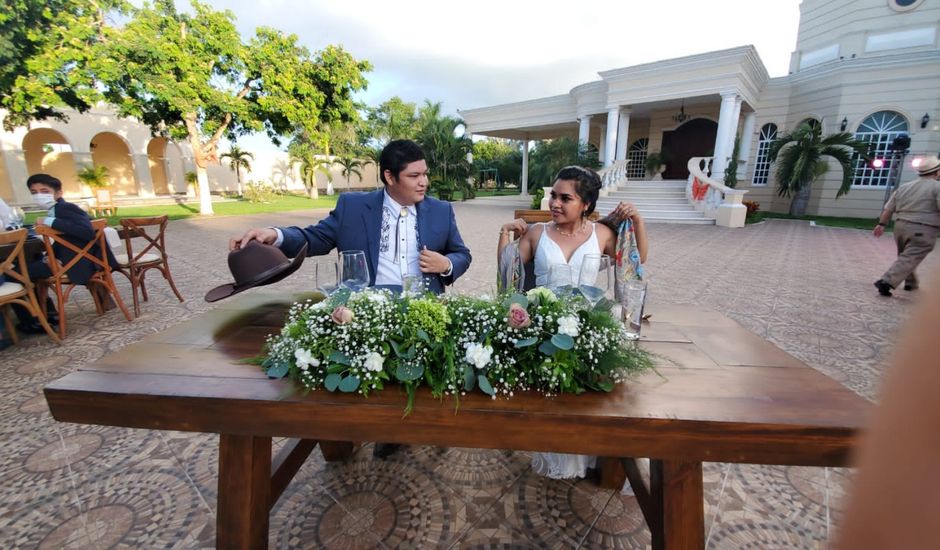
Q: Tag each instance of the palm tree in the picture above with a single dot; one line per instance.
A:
(94, 176)
(372, 156)
(350, 166)
(238, 159)
(310, 164)
(799, 159)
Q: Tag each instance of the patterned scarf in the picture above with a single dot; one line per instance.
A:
(627, 264)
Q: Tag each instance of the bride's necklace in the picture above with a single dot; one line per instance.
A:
(577, 231)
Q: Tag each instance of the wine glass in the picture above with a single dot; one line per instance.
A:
(559, 278)
(327, 277)
(413, 286)
(354, 271)
(16, 217)
(594, 278)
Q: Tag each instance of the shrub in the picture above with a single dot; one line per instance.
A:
(537, 197)
(752, 207)
(259, 192)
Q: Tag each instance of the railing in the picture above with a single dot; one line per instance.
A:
(613, 174)
(712, 197)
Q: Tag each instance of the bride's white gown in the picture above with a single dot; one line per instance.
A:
(547, 253)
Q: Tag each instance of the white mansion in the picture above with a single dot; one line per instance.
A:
(870, 67)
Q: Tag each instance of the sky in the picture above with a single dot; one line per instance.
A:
(487, 52)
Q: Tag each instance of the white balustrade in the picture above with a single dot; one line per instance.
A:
(712, 197)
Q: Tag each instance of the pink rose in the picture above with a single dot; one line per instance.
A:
(342, 315)
(518, 316)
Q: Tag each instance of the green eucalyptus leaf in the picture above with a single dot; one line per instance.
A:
(408, 372)
(278, 370)
(339, 357)
(547, 348)
(422, 334)
(469, 380)
(485, 386)
(526, 342)
(397, 347)
(349, 384)
(519, 299)
(331, 382)
(563, 341)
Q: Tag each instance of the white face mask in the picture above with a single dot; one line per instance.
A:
(44, 200)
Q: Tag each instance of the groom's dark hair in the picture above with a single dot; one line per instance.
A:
(397, 155)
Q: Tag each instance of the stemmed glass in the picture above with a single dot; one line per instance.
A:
(559, 278)
(594, 279)
(16, 217)
(327, 276)
(354, 271)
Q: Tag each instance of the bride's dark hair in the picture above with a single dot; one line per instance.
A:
(586, 183)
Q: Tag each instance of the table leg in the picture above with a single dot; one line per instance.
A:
(676, 490)
(244, 492)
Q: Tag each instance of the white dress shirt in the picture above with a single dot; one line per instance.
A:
(398, 243)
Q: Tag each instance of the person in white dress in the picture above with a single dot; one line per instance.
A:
(567, 239)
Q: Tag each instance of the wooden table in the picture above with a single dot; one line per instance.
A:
(722, 394)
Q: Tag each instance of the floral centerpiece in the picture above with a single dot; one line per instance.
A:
(540, 341)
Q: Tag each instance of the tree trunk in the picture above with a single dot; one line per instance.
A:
(801, 200)
(205, 200)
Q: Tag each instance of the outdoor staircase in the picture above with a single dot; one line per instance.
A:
(661, 201)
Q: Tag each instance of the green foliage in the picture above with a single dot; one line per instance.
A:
(444, 188)
(393, 119)
(731, 171)
(799, 160)
(653, 162)
(238, 159)
(310, 165)
(48, 53)
(94, 176)
(537, 197)
(259, 192)
(550, 156)
(446, 152)
(350, 166)
(502, 155)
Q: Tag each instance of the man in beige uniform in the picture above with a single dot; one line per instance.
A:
(917, 206)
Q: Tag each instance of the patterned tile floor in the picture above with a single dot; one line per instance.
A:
(807, 289)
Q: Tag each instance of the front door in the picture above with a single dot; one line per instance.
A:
(695, 138)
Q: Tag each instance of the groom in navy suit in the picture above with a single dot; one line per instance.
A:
(402, 231)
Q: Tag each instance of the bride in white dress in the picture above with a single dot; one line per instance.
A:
(566, 240)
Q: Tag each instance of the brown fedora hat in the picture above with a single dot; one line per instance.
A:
(256, 264)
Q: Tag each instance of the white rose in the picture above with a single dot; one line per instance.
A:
(305, 359)
(568, 325)
(478, 355)
(374, 361)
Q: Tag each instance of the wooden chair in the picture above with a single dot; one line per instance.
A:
(100, 286)
(104, 203)
(18, 289)
(153, 255)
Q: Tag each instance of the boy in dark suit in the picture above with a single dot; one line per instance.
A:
(75, 225)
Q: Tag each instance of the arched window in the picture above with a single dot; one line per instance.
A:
(813, 123)
(637, 157)
(878, 130)
(768, 133)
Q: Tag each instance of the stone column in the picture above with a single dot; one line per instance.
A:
(602, 145)
(524, 177)
(15, 162)
(623, 133)
(747, 136)
(144, 177)
(725, 130)
(610, 144)
(584, 130)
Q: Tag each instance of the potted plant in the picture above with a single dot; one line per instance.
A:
(444, 188)
(96, 177)
(655, 165)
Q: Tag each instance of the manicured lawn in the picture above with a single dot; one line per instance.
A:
(281, 203)
(832, 221)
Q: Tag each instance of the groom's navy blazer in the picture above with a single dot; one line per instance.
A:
(356, 223)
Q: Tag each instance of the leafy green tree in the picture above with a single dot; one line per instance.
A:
(502, 155)
(799, 160)
(350, 166)
(446, 151)
(47, 56)
(192, 76)
(238, 158)
(372, 156)
(550, 156)
(393, 119)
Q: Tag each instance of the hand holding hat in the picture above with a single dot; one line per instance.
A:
(256, 264)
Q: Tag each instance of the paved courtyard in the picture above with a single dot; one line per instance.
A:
(807, 289)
